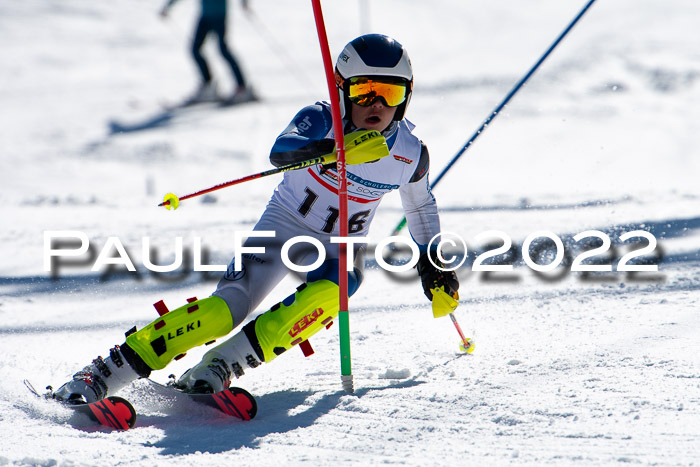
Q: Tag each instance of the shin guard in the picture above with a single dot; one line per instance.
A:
(179, 330)
(296, 318)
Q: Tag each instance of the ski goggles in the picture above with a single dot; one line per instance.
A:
(364, 90)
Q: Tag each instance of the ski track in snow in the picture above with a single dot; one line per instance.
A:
(568, 369)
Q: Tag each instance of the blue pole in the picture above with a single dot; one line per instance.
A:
(503, 103)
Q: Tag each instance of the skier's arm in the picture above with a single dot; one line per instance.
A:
(419, 204)
(304, 138)
(423, 222)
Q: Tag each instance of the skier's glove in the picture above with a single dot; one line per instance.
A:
(432, 277)
(360, 146)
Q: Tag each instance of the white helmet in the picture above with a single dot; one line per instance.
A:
(374, 55)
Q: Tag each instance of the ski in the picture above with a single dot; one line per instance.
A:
(112, 412)
(239, 100)
(190, 105)
(170, 111)
(234, 402)
(209, 103)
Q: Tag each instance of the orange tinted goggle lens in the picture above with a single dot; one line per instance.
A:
(363, 91)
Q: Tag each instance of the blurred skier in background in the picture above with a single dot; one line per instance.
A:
(213, 19)
(375, 80)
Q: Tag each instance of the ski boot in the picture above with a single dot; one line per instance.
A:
(241, 96)
(96, 381)
(213, 373)
(206, 92)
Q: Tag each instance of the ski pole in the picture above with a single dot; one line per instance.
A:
(445, 304)
(503, 103)
(466, 345)
(363, 145)
(171, 201)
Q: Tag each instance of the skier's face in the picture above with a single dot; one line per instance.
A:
(374, 117)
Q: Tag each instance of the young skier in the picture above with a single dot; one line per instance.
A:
(375, 79)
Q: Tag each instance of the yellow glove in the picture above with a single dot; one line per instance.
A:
(363, 146)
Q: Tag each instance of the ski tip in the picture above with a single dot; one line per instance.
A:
(30, 386)
(236, 402)
(114, 412)
(250, 406)
(240, 100)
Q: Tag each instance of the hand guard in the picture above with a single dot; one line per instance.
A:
(432, 277)
(360, 146)
(364, 146)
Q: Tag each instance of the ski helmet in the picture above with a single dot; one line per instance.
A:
(378, 56)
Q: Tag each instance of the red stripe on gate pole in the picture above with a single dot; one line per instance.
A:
(343, 318)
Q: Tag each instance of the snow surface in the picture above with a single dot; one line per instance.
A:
(567, 370)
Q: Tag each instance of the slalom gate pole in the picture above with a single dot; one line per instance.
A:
(503, 103)
(343, 315)
(286, 168)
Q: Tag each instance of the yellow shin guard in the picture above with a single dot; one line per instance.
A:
(179, 330)
(297, 318)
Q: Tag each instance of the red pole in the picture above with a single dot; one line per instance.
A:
(459, 330)
(343, 318)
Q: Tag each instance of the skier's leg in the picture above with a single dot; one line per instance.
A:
(191, 325)
(314, 305)
(301, 315)
(180, 330)
(243, 291)
(220, 28)
(151, 348)
(200, 34)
